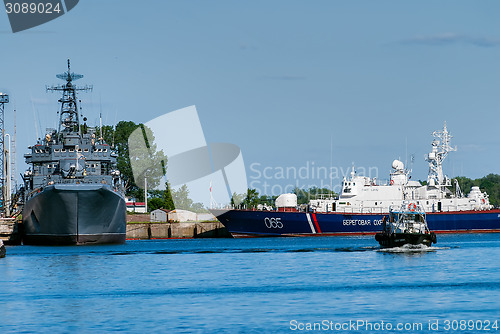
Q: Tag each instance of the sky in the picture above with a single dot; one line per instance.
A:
(295, 84)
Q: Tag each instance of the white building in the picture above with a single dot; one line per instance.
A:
(181, 215)
(159, 215)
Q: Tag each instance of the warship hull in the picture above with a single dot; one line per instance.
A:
(249, 223)
(75, 214)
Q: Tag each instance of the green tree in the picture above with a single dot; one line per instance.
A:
(181, 198)
(182, 201)
(490, 183)
(155, 203)
(128, 137)
(167, 197)
(160, 199)
(237, 199)
(117, 137)
(464, 183)
(251, 199)
(267, 200)
(147, 162)
(305, 195)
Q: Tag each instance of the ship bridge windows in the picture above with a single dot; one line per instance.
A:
(85, 150)
(56, 150)
(52, 167)
(63, 150)
(37, 168)
(71, 150)
(105, 168)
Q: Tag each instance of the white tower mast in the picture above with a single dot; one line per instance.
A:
(440, 149)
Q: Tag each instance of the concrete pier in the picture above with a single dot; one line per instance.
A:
(176, 230)
(10, 231)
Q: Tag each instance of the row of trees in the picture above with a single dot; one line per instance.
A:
(251, 199)
(149, 163)
(490, 183)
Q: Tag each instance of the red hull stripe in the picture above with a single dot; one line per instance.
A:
(310, 223)
(316, 223)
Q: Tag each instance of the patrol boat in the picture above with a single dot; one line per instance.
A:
(407, 225)
(73, 191)
(364, 201)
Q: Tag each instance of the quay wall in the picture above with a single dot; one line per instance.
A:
(144, 230)
(11, 232)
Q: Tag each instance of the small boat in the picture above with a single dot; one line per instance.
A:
(406, 225)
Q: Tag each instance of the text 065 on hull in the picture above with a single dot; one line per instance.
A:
(73, 192)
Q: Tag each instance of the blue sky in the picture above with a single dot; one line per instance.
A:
(291, 82)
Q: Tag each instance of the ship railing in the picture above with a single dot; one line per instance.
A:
(363, 210)
(73, 181)
(331, 196)
(452, 208)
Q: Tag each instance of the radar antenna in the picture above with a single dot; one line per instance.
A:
(68, 76)
(69, 121)
(440, 149)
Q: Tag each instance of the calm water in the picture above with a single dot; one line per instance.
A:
(251, 286)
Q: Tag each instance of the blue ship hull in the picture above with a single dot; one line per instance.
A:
(247, 223)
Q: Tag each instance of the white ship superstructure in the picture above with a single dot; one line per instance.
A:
(361, 194)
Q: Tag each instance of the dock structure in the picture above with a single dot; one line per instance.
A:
(10, 231)
(175, 230)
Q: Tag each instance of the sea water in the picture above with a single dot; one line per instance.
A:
(262, 285)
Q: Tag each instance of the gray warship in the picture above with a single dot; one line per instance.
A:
(73, 194)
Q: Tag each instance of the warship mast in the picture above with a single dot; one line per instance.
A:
(5, 192)
(440, 149)
(69, 131)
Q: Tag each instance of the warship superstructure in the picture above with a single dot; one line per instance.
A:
(73, 190)
(363, 202)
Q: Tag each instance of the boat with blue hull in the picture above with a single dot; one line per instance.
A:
(248, 223)
(363, 203)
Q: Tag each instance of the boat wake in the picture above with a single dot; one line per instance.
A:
(412, 249)
(249, 250)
